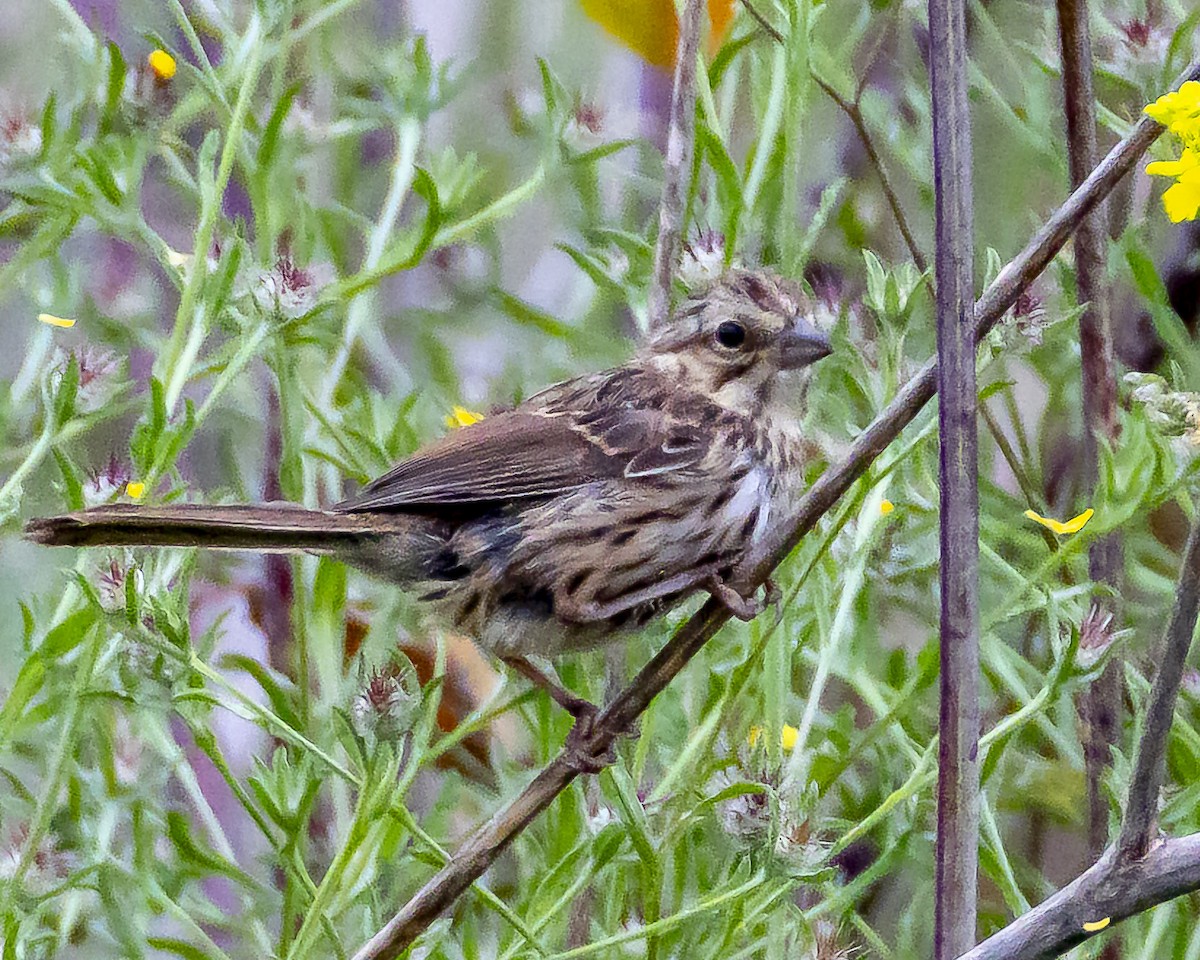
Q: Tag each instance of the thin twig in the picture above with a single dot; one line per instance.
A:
(1101, 704)
(853, 110)
(481, 849)
(1141, 806)
(1136, 873)
(957, 853)
(677, 163)
(763, 22)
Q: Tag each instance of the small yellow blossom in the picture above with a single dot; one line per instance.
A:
(886, 507)
(787, 737)
(1094, 926)
(1181, 201)
(1178, 111)
(1074, 525)
(162, 64)
(135, 489)
(56, 321)
(1190, 160)
(462, 417)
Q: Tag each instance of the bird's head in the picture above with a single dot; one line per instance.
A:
(731, 339)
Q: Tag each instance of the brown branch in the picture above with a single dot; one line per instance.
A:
(1111, 889)
(957, 849)
(677, 163)
(1101, 703)
(1141, 806)
(481, 849)
(1136, 873)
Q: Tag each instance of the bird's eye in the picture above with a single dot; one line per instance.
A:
(731, 334)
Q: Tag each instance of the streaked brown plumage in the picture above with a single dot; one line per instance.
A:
(588, 510)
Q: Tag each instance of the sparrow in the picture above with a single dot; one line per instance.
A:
(581, 514)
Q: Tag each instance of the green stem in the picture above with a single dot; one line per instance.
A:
(48, 801)
(189, 319)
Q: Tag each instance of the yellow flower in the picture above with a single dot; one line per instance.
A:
(56, 321)
(162, 65)
(787, 737)
(1181, 200)
(1094, 926)
(462, 417)
(135, 489)
(650, 28)
(886, 507)
(1181, 107)
(1175, 168)
(1074, 525)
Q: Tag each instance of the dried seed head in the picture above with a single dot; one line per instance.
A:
(1096, 635)
(1137, 31)
(20, 139)
(290, 290)
(703, 259)
(105, 483)
(385, 707)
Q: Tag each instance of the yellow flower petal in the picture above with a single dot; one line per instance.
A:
(650, 28)
(162, 64)
(755, 733)
(1182, 201)
(1074, 525)
(1092, 926)
(56, 321)
(135, 489)
(788, 737)
(886, 507)
(1178, 104)
(462, 417)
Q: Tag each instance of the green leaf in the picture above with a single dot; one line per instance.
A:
(269, 144)
(180, 948)
(72, 482)
(729, 185)
(66, 393)
(193, 852)
(69, 634)
(115, 87)
(279, 690)
(30, 679)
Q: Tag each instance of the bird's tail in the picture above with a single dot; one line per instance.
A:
(277, 528)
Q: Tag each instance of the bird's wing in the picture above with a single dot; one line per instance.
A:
(560, 441)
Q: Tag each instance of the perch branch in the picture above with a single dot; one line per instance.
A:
(677, 163)
(1137, 872)
(957, 852)
(482, 848)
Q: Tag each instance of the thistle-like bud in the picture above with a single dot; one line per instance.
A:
(386, 705)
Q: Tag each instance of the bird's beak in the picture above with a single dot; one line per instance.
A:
(803, 344)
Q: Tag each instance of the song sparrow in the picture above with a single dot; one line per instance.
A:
(587, 510)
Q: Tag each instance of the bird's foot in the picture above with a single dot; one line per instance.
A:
(773, 597)
(744, 608)
(580, 753)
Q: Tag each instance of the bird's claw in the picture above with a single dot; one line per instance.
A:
(579, 752)
(744, 608)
